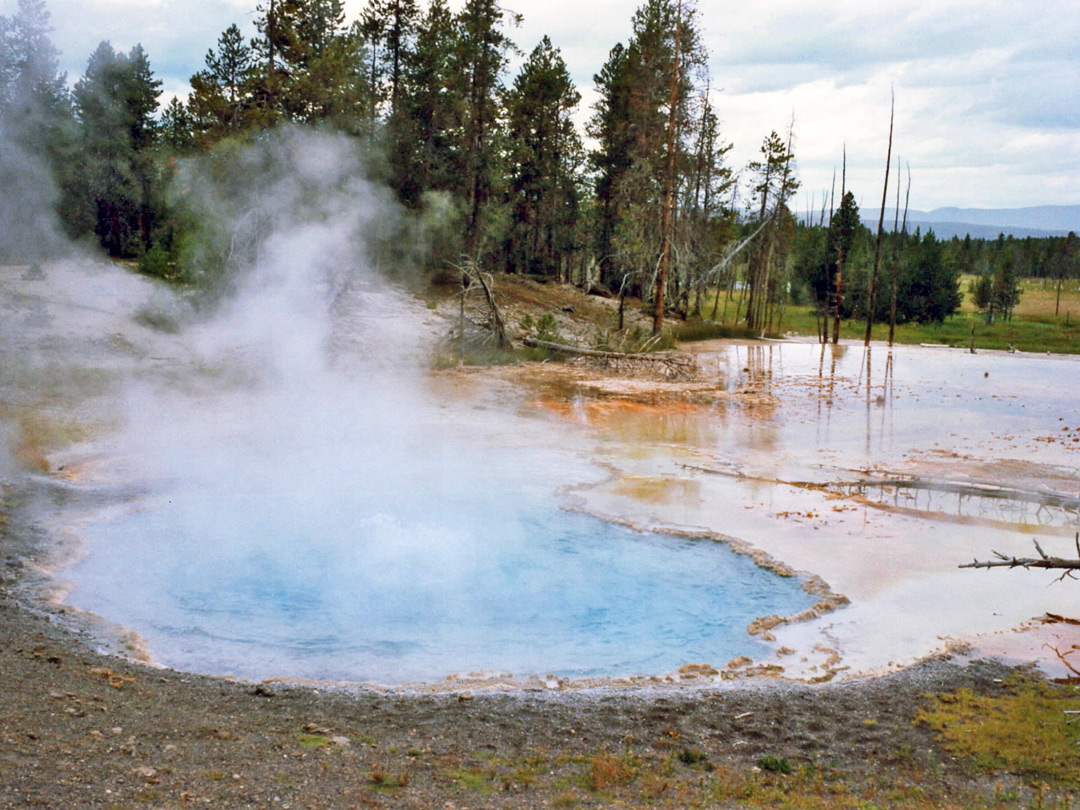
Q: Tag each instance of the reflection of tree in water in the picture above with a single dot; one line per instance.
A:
(754, 378)
(971, 502)
(829, 388)
(967, 501)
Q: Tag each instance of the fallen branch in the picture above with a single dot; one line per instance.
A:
(1070, 567)
(729, 257)
(1064, 658)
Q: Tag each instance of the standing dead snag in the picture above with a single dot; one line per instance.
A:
(1067, 566)
(669, 183)
(872, 293)
(839, 258)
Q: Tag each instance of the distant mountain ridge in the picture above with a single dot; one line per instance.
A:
(987, 223)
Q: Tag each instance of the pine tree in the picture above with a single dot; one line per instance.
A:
(641, 124)
(707, 221)
(393, 24)
(177, 128)
(772, 184)
(115, 101)
(1006, 283)
(544, 152)
(480, 59)
(613, 156)
(425, 147)
(219, 94)
(31, 85)
(37, 130)
(1064, 262)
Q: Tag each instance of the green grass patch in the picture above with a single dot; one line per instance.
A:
(1040, 323)
(478, 780)
(307, 740)
(1035, 333)
(1025, 732)
(692, 331)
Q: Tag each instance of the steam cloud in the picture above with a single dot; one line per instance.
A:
(298, 461)
(29, 228)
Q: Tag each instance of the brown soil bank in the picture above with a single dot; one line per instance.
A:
(83, 730)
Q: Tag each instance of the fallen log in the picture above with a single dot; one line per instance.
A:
(566, 348)
(672, 365)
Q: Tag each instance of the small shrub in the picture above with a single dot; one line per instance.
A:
(381, 777)
(607, 771)
(775, 764)
(548, 329)
(156, 262)
(695, 758)
(161, 313)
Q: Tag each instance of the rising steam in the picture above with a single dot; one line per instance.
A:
(299, 463)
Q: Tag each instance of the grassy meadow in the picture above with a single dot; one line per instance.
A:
(1034, 326)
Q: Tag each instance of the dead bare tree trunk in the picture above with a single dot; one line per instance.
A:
(669, 182)
(470, 277)
(898, 237)
(872, 294)
(840, 255)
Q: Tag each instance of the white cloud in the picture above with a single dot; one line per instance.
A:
(983, 89)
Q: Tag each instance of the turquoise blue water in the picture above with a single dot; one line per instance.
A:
(369, 597)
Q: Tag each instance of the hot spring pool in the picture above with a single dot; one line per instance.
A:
(372, 597)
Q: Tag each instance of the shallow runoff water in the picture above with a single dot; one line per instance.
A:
(305, 506)
(881, 470)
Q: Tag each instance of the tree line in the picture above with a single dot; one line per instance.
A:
(425, 90)
(652, 209)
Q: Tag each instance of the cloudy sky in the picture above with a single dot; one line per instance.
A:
(987, 91)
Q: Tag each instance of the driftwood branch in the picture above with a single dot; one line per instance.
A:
(1044, 560)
